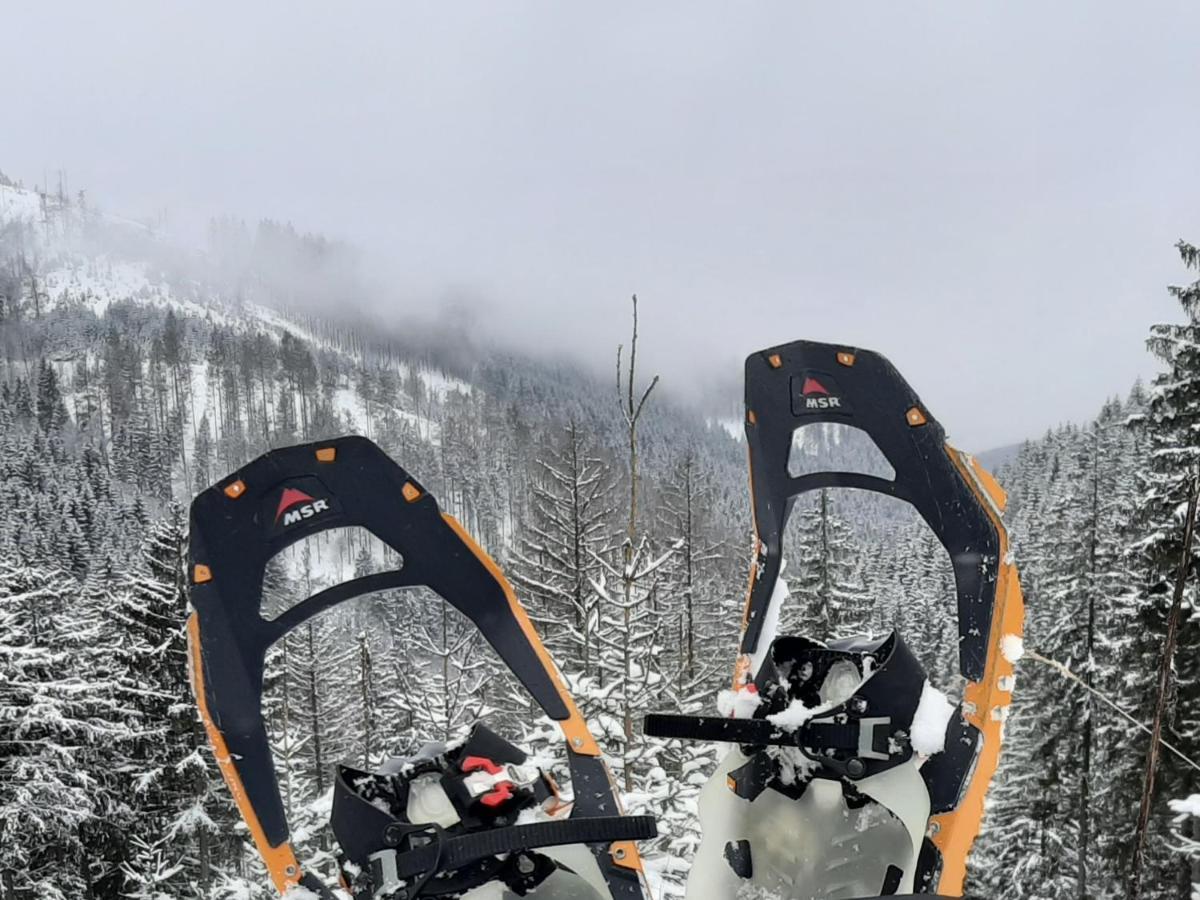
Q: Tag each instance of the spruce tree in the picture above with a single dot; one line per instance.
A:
(1171, 423)
(51, 409)
(555, 561)
(826, 583)
(58, 711)
(178, 819)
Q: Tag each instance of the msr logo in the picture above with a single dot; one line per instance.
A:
(295, 506)
(817, 396)
(817, 393)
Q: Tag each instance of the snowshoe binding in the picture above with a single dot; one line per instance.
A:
(459, 821)
(402, 853)
(853, 777)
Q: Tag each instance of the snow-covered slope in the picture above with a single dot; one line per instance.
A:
(70, 265)
(20, 206)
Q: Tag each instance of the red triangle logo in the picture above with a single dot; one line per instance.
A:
(812, 386)
(290, 498)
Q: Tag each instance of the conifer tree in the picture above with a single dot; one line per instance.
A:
(178, 818)
(556, 559)
(56, 709)
(1171, 423)
(826, 584)
(51, 409)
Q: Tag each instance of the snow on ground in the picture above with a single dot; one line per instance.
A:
(348, 405)
(442, 384)
(323, 560)
(656, 870)
(72, 277)
(428, 429)
(97, 284)
(278, 322)
(303, 893)
(19, 205)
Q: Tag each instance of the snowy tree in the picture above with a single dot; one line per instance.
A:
(57, 709)
(178, 816)
(826, 580)
(1171, 423)
(556, 559)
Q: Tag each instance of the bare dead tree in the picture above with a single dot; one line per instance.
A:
(631, 571)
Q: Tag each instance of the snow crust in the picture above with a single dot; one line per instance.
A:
(797, 714)
(1189, 806)
(933, 714)
(1012, 646)
(302, 893)
(17, 205)
(738, 704)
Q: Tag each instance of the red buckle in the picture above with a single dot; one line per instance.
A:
(502, 792)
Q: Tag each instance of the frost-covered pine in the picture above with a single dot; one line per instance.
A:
(445, 691)
(1069, 517)
(169, 777)
(825, 576)
(559, 545)
(59, 711)
(1170, 424)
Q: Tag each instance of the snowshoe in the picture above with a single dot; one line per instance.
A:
(237, 526)
(453, 821)
(828, 794)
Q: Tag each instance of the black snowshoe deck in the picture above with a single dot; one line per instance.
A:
(803, 383)
(238, 525)
(793, 385)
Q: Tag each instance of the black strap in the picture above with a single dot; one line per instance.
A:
(315, 885)
(452, 853)
(761, 732)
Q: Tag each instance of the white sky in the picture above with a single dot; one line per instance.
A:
(988, 192)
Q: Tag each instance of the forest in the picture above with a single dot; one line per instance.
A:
(132, 376)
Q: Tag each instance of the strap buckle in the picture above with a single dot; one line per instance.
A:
(490, 783)
(385, 877)
(873, 737)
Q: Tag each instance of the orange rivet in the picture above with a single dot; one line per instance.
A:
(751, 417)
(915, 417)
(235, 490)
(201, 574)
(411, 492)
(775, 360)
(845, 358)
(327, 454)
(625, 855)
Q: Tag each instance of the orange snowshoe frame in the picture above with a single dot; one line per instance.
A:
(239, 524)
(804, 382)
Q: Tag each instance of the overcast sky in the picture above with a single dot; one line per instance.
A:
(989, 193)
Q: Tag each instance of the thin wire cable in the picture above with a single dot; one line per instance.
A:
(1071, 676)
